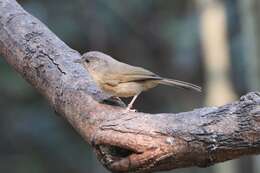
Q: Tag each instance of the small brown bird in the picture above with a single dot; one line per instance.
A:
(123, 80)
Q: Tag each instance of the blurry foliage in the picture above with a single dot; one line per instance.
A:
(162, 36)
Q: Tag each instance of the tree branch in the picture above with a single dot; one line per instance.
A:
(132, 142)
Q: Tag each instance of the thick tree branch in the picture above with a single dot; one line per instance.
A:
(132, 142)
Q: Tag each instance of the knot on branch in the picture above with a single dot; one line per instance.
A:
(114, 157)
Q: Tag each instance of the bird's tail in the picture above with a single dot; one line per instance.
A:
(180, 84)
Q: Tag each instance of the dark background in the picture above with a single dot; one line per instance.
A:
(163, 36)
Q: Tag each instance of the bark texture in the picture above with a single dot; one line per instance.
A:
(132, 142)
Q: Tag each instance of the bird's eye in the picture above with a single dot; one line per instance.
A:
(87, 61)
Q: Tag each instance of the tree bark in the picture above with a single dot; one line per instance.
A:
(124, 142)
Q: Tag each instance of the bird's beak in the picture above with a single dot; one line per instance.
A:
(78, 61)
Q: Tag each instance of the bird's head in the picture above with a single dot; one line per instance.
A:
(93, 60)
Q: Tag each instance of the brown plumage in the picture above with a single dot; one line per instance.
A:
(123, 80)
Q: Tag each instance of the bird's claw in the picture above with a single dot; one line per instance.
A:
(127, 110)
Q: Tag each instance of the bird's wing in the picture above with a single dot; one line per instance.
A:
(122, 73)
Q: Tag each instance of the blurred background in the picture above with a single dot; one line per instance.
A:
(212, 43)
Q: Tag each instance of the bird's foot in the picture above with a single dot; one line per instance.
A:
(127, 110)
(130, 105)
(114, 101)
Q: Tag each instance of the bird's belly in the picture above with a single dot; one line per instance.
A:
(129, 89)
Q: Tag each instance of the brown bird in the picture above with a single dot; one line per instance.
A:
(123, 80)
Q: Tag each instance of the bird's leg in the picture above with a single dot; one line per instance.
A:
(130, 105)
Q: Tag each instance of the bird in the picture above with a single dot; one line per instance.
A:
(123, 80)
